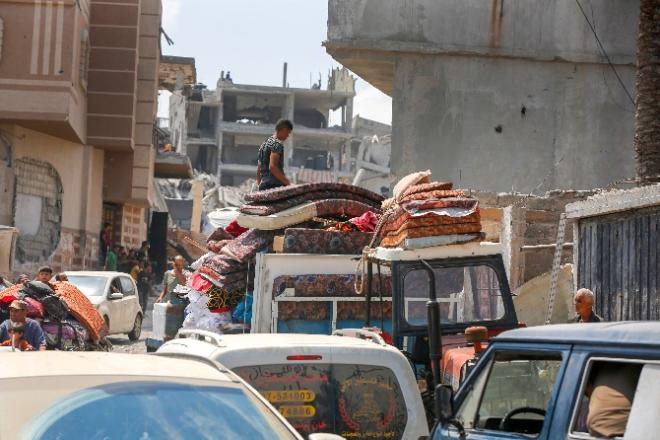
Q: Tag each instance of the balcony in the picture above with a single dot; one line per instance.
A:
(43, 77)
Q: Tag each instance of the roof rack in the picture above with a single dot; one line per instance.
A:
(200, 335)
(361, 334)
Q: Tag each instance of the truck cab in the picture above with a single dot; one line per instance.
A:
(542, 382)
(309, 293)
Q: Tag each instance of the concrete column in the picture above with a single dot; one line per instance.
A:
(198, 194)
(218, 131)
(512, 239)
(287, 113)
(348, 124)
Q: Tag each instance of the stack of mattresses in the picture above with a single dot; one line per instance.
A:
(283, 207)
(225, 274)
(67, 317)
(425, 214)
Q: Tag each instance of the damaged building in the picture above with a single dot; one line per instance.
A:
(499, 95)
(221, 130)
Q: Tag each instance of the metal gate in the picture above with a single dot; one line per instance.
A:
(618, 261)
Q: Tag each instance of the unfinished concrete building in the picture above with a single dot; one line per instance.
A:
(222, 129)
(499, 95)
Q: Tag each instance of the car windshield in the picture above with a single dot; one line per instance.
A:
(466, 294)
(90, 286)
(157, 410)
(354, 401)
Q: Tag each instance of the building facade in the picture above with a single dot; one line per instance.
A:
(78, 96)
(498, 95)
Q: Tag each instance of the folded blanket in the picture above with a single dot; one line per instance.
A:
(434, 194)
(413, 206)
(302, 213)
(82, 309)
(246, 246)
(430, 231)
(426, 187)
(285, 192)
(319, 241)
(408, 222)
(268, 208)
(426, 242)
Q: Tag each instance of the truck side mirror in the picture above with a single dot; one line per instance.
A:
(444, 403)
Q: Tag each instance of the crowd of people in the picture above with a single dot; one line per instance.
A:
(136, 262)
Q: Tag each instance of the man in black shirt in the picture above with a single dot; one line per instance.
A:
(270, 163)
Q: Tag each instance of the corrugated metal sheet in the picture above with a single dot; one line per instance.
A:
(618, 260)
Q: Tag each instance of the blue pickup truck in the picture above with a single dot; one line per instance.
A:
(537, 383)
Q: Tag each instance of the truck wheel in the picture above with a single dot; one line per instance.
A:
(134, 335)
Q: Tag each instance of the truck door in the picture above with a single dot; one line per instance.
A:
(511, 394)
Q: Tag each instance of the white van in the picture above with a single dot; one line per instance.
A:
(356, 388)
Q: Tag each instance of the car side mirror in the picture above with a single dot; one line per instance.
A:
(444, 403)
(116, 295)
(325, 436)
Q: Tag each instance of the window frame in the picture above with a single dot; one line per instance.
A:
(487, 362)
(586, 372)
(130, 281)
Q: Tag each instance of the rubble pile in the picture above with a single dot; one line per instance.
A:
(424, 214)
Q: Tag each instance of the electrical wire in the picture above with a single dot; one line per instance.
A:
(602, 49)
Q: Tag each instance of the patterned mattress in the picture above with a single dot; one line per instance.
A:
(268, 208)
(82, 309)
(319, 241)
(286, 192)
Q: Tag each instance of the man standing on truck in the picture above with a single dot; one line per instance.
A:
(584, 307)
(270, 158)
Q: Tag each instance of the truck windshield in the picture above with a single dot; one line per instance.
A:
(354, 401)
(466, 294)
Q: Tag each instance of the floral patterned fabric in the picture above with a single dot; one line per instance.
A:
(285, 192)
(247, 245)
(435, 194)
(406, 221)
(319, 241)
(426, 187)
(326, 285)
(82, 309)
(430, 231)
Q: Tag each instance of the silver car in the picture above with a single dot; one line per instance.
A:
(115, 296)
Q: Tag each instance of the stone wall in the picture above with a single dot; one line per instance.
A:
(527, 228)
(38, 209)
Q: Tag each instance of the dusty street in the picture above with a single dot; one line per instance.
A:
(121, 343)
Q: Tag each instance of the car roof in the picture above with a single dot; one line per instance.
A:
(62, 363)
(620, 333)
(91, 273)
(270, 340)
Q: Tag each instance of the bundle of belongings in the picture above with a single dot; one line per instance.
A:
(319, 217)
(67, 317)
(424, 214)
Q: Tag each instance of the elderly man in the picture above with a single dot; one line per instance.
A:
(18, 316)
(584, 307)
(178, 276)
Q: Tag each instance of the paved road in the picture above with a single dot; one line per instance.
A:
(121, 343)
